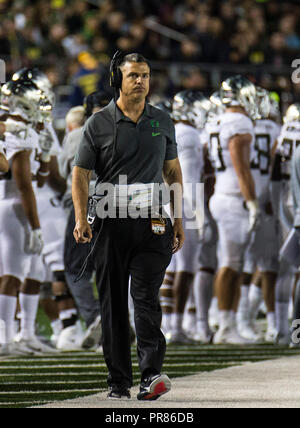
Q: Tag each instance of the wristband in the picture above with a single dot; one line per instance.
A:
(44, 173)
(252, 205)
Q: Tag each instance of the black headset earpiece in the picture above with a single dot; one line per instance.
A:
(115, 72)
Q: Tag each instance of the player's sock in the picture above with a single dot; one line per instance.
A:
(8, 306)
(176, 323)
(255, 299)
(243, 308)
(203, 295)
(29, 307)
(282, 317)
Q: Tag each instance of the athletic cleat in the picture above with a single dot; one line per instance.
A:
(99, 350)
(34, 344)
(93, 334)
(248, 332)
(229, 336)
(180, 338)
(282, 339)
(271, 335)
(153, 387)
(4, 350)
(70, 339)
(18, 348)
(203, 337)
(117, 392)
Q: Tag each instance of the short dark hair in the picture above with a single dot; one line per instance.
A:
(134, 57)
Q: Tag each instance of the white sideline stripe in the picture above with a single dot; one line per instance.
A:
(54, 382)
(134, 365)
(48, 392)
(169, 355)
(29, 403)
(33, 367)
(86, 363)
(24, 403)
(32, 376)
(212, 362)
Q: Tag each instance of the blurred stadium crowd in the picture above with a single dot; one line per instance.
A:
(73, 41)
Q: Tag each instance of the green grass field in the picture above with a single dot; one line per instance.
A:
(25, 382)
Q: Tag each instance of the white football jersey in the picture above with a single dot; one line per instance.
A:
(230, 124)
(210, 132)
(27, 140)
(266, 133)
(288, 140)
(212, 126)
(190, 154)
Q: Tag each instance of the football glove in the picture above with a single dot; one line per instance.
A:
(35, 243)
(45, 142)
(14, 127)
(254, 214)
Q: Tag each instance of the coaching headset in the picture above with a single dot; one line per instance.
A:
(114, 70)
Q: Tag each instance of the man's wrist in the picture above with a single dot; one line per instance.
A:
(81, 219)
(177, 220)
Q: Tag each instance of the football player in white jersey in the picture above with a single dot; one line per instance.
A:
(207, 125)
(20, 226)
(263, 250)
(211, 134)
(185, 113)
(166, 290)
(49, 208)
(234, 204)
(288, 141)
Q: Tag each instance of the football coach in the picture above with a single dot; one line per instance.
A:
(133, 142)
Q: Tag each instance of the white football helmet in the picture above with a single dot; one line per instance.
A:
(264, 102)
(292, 114)
(23, 98)
(191, 106)
(239, 91)
(217, 107)
(37, 77)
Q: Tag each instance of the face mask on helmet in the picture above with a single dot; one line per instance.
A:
(23, 99)
(239, 91)
(180, 107)
(39, 79)
(264, 103)
(292, 114)
(190, 106)
(217, 107)
(45, 110)
(199, 112)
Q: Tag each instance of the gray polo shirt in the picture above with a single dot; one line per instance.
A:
(140, 148)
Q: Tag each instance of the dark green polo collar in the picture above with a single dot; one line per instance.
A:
(119, 115)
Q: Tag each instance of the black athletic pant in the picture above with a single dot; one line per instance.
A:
(128, 248)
